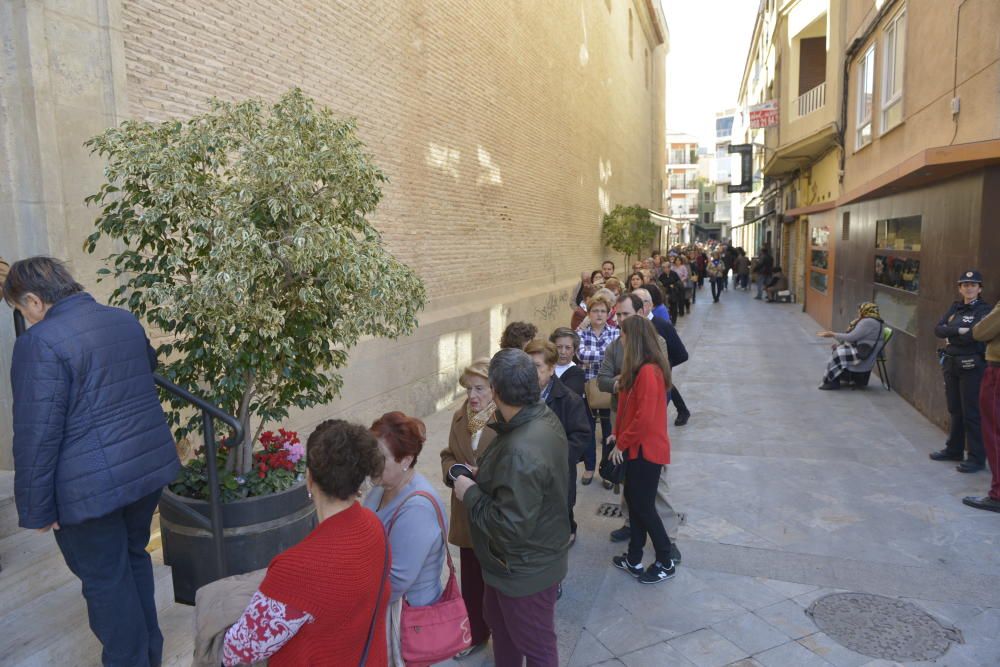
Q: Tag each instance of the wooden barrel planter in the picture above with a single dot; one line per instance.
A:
(256, 530)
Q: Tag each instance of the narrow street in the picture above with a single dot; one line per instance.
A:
(789, 493)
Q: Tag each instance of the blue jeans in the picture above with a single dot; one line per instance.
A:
(109, 556)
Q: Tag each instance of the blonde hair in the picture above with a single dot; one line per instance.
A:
(599, 299)
(479, 368)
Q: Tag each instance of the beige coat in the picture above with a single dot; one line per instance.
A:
(219, 605)
(459, 450)
(987, 330)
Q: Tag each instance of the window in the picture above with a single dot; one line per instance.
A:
(820, 259)
(818, 281)
(899, 272)
(898, 233)
(866, 88)
(894, 39)
(707, 217)
(898, 310)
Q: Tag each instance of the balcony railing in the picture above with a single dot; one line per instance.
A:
(811, 100)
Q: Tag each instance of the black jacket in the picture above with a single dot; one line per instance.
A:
(574, 379)
(961, 315)
(677, 354)
(673, 286)
(572, 415)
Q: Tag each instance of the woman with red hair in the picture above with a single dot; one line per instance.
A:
(408, 506)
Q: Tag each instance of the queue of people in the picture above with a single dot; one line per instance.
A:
(530, 416)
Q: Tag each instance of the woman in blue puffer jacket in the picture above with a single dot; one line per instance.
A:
(92, 449)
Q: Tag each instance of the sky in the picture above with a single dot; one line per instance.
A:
(709, 40)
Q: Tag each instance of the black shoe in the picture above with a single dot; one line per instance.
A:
(829, 386)
(622, 534)
(968, 466)
(682, 419)
(944, 455)
(657, 572)
(675, 553)
(984, 503)
(621, 562)
(606, 484)
(587, 480)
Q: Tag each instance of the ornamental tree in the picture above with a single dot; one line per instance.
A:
(628, 230)
(244, 237)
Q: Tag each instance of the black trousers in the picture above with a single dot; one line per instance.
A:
(641, 481)
(678, 401)
(574, 457)
(717, 286)
(962, 391)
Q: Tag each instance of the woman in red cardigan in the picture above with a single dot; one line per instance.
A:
(319, 598)
(641, 441)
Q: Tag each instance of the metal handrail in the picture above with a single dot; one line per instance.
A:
(208, 412)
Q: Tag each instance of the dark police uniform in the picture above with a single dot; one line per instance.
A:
(963, 362)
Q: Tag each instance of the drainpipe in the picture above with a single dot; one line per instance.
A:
(845, 89)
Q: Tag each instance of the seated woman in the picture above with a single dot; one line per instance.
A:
(411, 520)
(777, 283)
(318, 598)
(853, 346)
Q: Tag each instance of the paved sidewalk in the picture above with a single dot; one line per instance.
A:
(789, 493)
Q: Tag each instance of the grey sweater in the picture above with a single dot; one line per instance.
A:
(867, 330)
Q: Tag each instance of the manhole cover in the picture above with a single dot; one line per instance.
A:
(611, 510)
(882, 627)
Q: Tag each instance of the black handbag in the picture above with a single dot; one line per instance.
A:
(612, 472)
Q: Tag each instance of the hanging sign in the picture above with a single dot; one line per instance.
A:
(764, 115)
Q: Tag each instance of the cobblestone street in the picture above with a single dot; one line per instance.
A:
(789, 493)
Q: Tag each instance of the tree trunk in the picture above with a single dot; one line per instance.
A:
(244, 452)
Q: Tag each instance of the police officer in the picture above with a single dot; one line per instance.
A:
(963, 363)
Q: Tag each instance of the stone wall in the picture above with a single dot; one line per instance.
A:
(506, 129)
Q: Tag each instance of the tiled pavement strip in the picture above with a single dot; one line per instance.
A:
(789, 493)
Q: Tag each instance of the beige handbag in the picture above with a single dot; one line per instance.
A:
(596, 399)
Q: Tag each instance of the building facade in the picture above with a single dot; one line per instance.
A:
(494, 140)
(682, 200)
(726, 203)
(881, 175)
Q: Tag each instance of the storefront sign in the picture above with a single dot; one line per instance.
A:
(764, 115)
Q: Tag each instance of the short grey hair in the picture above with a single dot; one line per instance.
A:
(514, 378)
(45, 277)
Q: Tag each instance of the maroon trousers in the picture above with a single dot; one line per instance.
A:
(523, 628)
(472, 593)
(989, 415)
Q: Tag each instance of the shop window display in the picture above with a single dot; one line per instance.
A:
(899, 272)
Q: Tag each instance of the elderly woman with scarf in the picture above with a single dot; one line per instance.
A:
(853, 346)
(467, 441)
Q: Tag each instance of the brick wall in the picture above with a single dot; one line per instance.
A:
(503, 126)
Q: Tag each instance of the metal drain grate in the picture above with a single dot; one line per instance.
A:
(610, 510)
(882, 627)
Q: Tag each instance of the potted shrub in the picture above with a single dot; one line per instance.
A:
(242, 235)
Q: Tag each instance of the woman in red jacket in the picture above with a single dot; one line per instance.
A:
(641, 441)
(319, 603)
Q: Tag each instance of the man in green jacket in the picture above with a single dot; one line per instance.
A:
(518, 515)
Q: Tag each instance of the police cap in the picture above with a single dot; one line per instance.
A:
(971, 276)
